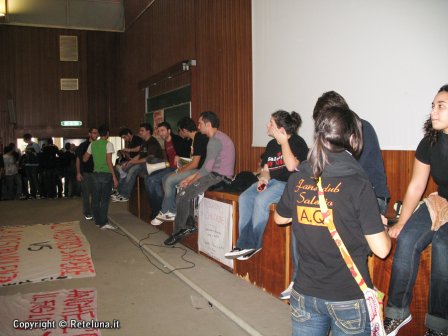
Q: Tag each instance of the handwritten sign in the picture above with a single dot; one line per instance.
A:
(43, 252)
(62, 312)
(215, 230)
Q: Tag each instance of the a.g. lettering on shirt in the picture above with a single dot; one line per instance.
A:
(311, 216)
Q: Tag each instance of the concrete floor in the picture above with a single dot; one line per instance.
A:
(133, 288)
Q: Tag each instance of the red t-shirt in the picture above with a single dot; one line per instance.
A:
(170, 153)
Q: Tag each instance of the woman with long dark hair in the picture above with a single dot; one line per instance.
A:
(419, 226)
(325, 295)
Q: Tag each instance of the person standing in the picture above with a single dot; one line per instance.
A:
(325, 294)
(49, 161)
(103, 176)
(31, 163)
(12, 187)
(84, 174)
(370, 159)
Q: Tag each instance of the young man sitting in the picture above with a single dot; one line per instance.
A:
(198, 153)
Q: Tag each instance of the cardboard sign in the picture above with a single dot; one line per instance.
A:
(215, 230)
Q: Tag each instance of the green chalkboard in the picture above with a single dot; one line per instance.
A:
(172, 106)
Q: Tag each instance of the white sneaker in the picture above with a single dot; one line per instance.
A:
(286, 294)
(156, 222)
(249, 254)
(119, 199)
(237, 252)
(108, 227)
(166, 217)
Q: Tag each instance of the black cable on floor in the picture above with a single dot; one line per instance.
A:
(140, 246)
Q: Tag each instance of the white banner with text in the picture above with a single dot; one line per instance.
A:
(43, 252)
(62, 312)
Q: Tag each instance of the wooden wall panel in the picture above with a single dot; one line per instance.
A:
(224, 70)
(33, 73)
(162, 36)
(398, 166)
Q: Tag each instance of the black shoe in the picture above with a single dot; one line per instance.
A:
(392, 326)
(431, 332)
(175, 237)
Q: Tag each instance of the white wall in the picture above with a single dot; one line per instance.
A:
(387, 58)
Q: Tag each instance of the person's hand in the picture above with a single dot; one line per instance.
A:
(395, 230)
(176, 161)
(186, 182)
(79, 177)
(280, 135)
(262, 184)
(115, 182)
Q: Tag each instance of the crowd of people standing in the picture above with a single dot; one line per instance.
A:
(38, 172)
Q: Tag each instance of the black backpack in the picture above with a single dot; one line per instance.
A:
(241, 182)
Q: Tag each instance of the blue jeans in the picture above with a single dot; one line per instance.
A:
(312, 316)
(185, 196)
(382, 205)
(154, 189)
(102, 187)
(87, 185)
(169, 188)
(126, 185)
(415, 236)
(254, 213)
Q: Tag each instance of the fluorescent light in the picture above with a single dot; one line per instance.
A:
(71, 123)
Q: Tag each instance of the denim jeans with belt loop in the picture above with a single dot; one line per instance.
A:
(311, 316)
(415, 237)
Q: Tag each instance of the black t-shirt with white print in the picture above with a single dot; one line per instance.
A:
(273, 156)
(437, 157)
(322, 272)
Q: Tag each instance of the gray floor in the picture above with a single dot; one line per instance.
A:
(203, 300)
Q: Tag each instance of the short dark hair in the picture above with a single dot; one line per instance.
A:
(327, 100)
(211, 117)
(7, 149)
(67, 145)
(27, 136)
(92, 128)
(188, 124)
(165, 124)
(147, 126)
(125, 131)
(103, 130)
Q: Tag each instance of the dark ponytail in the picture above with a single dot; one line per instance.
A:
(336, 130)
